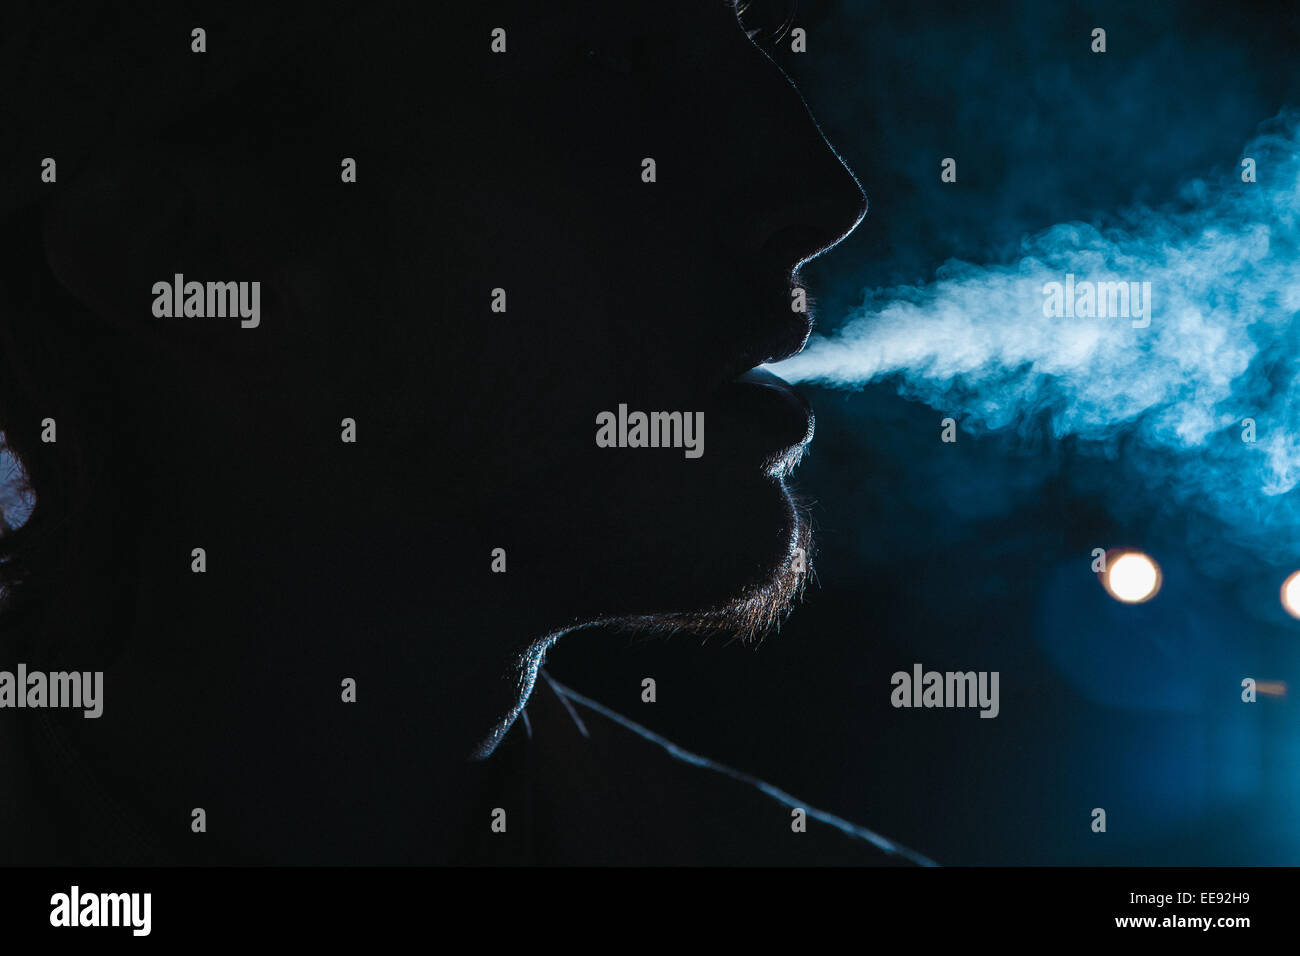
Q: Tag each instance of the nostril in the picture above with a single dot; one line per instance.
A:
(791, 245)
(805, 230)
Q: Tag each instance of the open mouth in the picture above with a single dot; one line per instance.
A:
(762, 412)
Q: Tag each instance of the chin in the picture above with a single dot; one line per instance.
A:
(755, 608)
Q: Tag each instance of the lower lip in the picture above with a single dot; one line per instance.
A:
(769, 416)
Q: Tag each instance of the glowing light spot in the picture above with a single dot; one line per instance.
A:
(1291, 594)
(1133, 577)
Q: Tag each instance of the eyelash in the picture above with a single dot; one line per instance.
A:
(740, 7)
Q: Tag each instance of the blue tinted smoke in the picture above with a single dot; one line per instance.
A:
(1220, 349)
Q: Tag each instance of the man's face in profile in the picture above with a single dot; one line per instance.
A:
(652, 285)
(606, 216)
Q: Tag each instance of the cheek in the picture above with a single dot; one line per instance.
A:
(525, 356)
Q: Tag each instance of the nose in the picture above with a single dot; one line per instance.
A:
(803, 201)
(808, 200)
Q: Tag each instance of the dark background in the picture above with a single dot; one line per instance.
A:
(976, 555)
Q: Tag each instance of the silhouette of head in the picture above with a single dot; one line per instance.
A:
(506, 267)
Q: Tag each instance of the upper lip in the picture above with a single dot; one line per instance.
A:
(781, 332)
(771, 343)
